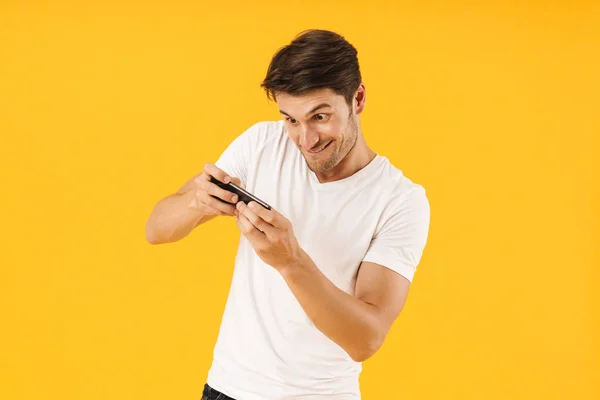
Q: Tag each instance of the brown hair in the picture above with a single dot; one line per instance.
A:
(315, 59)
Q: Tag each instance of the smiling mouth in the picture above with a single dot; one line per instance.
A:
(320, 148)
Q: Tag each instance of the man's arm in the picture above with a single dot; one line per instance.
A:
(175, 216)
(359, 323)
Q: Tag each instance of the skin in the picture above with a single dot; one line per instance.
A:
(359, 323)
(335, 123)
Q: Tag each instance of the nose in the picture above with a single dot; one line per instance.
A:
(308, 138)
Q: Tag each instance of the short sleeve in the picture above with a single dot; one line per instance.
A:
(237, 157)
(401, 236)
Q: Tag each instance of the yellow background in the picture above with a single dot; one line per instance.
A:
(106, 108)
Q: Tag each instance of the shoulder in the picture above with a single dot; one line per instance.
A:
(405, 199)
(267, 127)
(400, 187)
(402, 226)
(262, 133)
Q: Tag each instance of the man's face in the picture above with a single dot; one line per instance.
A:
(322, 125)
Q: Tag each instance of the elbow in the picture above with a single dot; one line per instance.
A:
(152, 235)
(150, 238)
(360, 357)
(366, 350)
(153, 240)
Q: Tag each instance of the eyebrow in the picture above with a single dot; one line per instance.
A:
(322, 105)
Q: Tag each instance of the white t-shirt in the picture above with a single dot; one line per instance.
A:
(267, 348)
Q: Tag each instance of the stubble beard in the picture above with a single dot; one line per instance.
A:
(339, 153)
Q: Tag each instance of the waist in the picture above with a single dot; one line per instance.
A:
(265, 381)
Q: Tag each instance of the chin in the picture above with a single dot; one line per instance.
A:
(322, 166)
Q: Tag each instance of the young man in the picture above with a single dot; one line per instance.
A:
(320, 278)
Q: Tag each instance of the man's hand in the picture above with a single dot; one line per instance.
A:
(176, 215)
(270, 234)
(204, 192)
(357, 323)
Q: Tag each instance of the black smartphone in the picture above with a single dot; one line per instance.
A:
(243, 195)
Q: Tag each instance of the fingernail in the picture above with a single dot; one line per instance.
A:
(239, 205)
(252, 205)
(226, 180)
(234, 199)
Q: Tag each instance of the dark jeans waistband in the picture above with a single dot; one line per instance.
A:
(213, 394)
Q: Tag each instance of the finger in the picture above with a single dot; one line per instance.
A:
(208, 210)
(256, 238)
(271, 216)
(238, 182)
(201, 178)
(216, 172)
(217, 204)
(197, 203)
(219, 192)
(258, 222)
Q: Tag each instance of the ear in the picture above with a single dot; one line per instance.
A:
(360, 99)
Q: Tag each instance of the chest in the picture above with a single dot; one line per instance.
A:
(334, 227)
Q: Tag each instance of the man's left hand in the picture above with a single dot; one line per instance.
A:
(270, 234)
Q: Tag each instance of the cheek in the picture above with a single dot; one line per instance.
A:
(293, 133)
(295, 136)
(332, 130)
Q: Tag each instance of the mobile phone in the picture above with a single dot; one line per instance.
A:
(243, 195)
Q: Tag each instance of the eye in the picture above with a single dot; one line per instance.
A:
(291, 120)
(321, 117)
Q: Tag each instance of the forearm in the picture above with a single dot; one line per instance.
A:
(351, 323)
(172, 219)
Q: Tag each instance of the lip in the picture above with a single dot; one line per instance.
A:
(320, 149)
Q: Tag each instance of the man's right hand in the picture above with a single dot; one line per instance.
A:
(176, 215)
(203, 191)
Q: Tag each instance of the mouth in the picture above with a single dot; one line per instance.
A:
(317, 150)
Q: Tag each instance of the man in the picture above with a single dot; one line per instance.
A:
(320, 278)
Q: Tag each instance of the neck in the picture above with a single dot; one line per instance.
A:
(357, 158)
